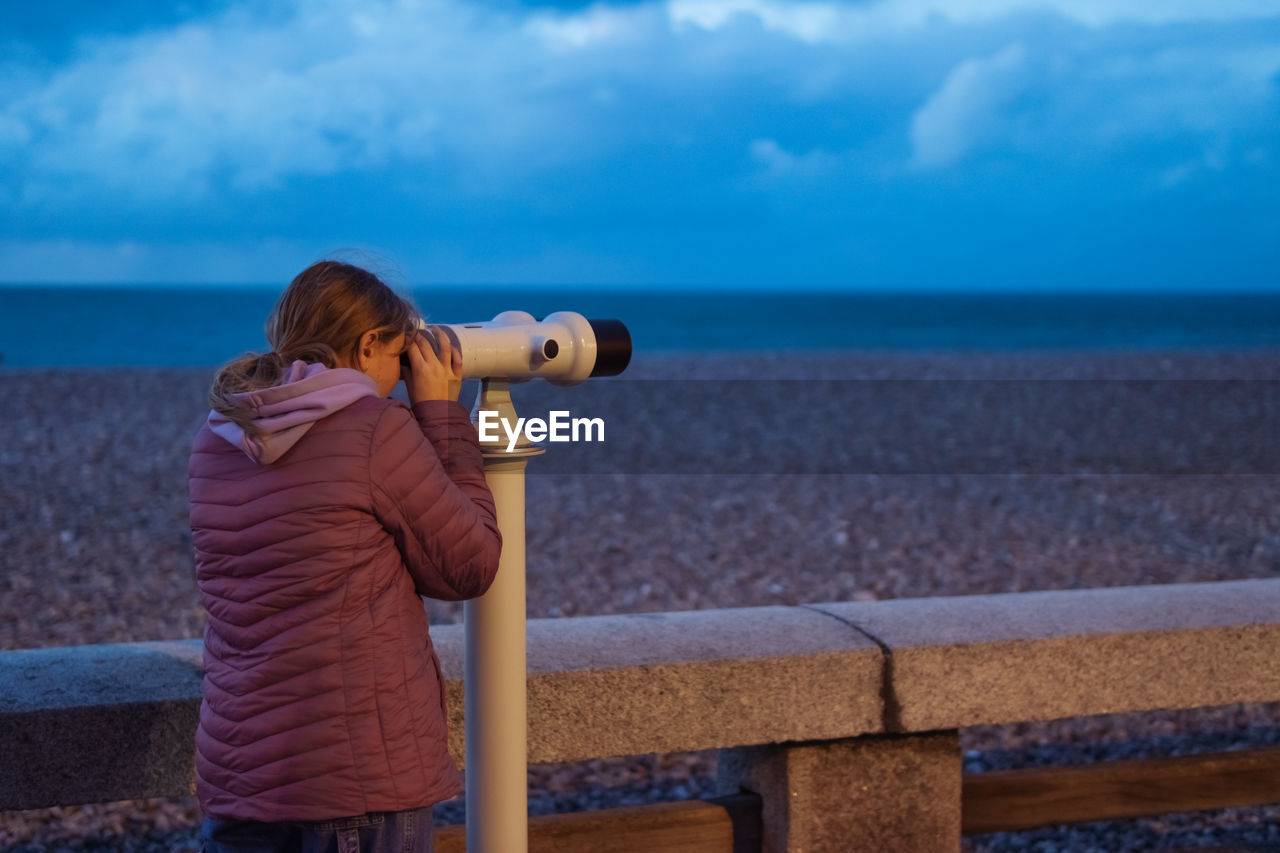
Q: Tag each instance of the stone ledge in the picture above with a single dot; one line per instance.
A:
(58, 677)
(602, 686)
(101, 723)
(969, 660)
(113, 722)
(85, 724)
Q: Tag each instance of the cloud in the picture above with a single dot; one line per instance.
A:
(780, 162)
(1055, 105)
(970, 108)
(845, 21)
(809, 22)
(473, 98)
(253, 102)
(582, 133)
(596, 26)
(192, 261)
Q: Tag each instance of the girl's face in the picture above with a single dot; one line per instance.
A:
(382, 363)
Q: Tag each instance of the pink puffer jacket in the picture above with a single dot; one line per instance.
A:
(322, 693)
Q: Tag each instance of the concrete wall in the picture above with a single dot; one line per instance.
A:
(102, 723)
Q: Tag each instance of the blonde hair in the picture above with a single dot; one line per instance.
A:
(319, 318)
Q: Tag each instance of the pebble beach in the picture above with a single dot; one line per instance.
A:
(94, 548)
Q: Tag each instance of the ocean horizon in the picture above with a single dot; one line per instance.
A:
(67, 326)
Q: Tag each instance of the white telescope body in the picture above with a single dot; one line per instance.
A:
(564, 348)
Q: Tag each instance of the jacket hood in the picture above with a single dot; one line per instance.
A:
(284, 412)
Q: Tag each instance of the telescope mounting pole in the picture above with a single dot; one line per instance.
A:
(494, 686)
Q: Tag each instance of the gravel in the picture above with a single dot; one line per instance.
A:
(94, 548)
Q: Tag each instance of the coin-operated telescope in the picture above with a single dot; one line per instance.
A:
(563, 348)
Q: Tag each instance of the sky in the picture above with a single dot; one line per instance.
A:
(871, 145)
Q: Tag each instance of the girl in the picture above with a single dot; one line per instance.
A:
(320, 511)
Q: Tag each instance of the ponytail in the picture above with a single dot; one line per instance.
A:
(249, 372)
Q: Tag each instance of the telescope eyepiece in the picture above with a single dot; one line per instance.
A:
(613, 347)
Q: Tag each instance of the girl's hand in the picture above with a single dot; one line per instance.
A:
(429, 377)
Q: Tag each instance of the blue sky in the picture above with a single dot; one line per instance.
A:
(913, 144)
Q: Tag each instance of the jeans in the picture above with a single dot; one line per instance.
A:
(407, 831)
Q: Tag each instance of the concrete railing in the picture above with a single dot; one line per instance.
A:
(844, 717)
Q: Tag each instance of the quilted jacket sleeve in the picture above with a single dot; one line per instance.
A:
(429, 491)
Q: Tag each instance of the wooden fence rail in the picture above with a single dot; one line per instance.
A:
(991, 802)
(1010, 800)
(997, 801)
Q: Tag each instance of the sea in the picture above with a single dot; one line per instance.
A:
(197, 326)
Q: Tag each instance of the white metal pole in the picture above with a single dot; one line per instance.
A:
(494, 686)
